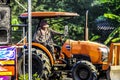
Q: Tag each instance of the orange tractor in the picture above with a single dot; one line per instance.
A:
(78, 60)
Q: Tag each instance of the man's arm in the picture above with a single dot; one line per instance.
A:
(55, 32)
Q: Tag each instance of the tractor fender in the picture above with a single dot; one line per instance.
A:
(45, 50)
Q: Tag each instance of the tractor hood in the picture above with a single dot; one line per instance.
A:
(88, 48)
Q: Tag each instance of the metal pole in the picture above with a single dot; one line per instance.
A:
(29, 41)
(24, 53)
(86, 27)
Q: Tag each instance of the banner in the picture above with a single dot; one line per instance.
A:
(8, 53)
(7, 62)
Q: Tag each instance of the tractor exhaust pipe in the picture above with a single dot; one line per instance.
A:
(86, 27)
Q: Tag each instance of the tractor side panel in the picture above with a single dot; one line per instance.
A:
(86, 48)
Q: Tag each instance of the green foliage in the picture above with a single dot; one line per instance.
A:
(109, 8)
(116, 40)
(21, 77)
(15, 21)
(95, 38)
(26, 76)
(112, 16)
(111, 36)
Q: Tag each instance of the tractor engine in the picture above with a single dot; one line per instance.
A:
(85, 50)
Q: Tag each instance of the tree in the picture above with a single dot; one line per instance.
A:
(112, 12)
(108, 9)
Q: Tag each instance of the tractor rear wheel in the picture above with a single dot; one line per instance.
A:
(40, 64)
(84, 70)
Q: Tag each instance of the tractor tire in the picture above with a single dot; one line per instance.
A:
(84, 70)
(40, 64)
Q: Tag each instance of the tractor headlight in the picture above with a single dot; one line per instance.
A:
(105, 51)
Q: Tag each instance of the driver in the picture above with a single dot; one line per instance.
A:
(44, 35)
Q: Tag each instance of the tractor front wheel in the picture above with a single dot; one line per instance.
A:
(84, 70)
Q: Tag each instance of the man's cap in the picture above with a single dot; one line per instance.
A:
(43, 22)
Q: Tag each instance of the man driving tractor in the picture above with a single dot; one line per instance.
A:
(44, 35)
